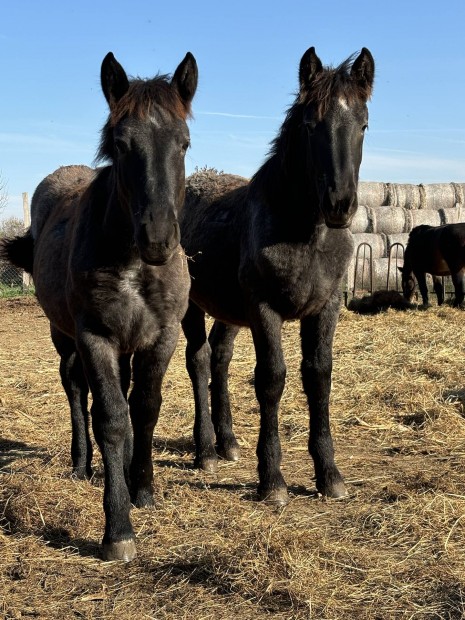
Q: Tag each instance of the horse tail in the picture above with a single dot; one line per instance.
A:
(18, 251)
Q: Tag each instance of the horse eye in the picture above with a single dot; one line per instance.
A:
(185, 146)
(364, 128)
(122, 146)
(310, 126)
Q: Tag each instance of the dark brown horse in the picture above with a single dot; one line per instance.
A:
(112, 278)
(439, 251)
(273, 250)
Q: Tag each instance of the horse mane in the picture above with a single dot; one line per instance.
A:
(138, 101)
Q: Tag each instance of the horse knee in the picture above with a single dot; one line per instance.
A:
(270, 381)
(197, 358)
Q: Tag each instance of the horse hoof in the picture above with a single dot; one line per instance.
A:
(208, 464)
(143, 499)
(275, 497)
(335, 490)
(81, 473)
(229, 454)
(124, 550)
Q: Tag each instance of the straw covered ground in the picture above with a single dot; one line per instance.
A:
(393, 549)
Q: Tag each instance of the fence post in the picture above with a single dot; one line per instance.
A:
(27, 280)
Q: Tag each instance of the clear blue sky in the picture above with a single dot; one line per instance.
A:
(248, 52)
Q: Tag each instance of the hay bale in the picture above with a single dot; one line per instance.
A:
(454, 215)
(443, 195)
(389, 220)
(372, 194)
(377, 243)
(362, 220)
(432, 217)
(404, 195)
(378, 302)
(391, 240)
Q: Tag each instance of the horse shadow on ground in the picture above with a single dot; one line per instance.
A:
(181, 447)
(11, 450)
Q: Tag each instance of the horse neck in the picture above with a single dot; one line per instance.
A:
(112, 210)
(286, 183)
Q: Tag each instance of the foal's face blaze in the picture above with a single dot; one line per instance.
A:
(336, 142)
(149, 158)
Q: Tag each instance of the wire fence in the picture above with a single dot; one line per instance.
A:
(14, 281)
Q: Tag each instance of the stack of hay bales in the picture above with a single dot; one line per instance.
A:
(386, 214)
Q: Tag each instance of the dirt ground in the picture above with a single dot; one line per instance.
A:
(209, 550)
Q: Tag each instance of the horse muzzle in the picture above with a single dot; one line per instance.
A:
(159, 250)
(338, 212)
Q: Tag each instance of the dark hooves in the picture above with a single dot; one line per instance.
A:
(143, 499)
(335, 490)
(81, 473)
(274, 497)
(207, 464)
(124, 550)
(229, 454)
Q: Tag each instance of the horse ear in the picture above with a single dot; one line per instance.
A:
(310, 67)
(185, 78)
(113, 79)
(363, 71)
(401, 269)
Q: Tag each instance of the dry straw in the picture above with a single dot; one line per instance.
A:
(392, 549)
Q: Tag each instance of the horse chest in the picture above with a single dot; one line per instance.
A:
(134, 305)
(298, 280)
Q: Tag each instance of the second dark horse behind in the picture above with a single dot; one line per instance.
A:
(439, 251)
(276, 249)
(110, 274)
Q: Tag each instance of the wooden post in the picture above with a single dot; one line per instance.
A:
(27, 280)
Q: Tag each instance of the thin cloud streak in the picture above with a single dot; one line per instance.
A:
(231, 115)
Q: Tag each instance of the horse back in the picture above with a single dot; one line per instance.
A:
(438, 250)
(211, 231)
(56, 189)
(54, 209)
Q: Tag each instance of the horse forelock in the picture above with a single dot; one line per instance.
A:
(331, 83)
(142, 95)
(139, 102)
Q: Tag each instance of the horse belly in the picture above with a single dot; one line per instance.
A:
(439, 266)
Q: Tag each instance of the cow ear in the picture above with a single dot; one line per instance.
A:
(363, 72)
(113, 79)
(310, 67)
(185, 78)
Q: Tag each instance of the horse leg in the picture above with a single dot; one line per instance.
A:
(438, 289)
(270, 377)
(221, 341)
(317, 334)
(421, 279)
(149, 368)
(125, 378)
(198, 366)
(75, 385)
(110, 421)
(458, 281)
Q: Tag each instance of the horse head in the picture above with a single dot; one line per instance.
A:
(408, 282)
(146, 137)
(335, 117)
